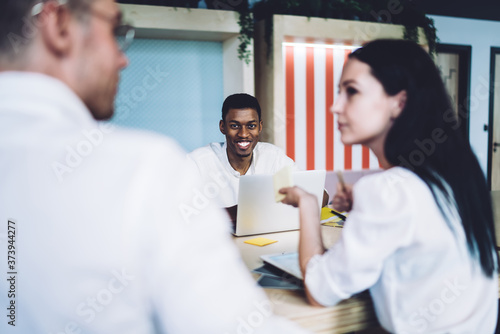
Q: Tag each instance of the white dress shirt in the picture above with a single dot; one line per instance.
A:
(417, 266)
(220, 178)
(105, 241)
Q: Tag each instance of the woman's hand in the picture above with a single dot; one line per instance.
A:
(342, 201)
(294, 195)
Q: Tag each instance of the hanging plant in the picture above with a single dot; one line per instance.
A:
(246, 36)
(367, 10)
(245, 22)
(410, 17)
(169, 3)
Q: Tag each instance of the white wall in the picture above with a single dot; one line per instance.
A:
(481, 35)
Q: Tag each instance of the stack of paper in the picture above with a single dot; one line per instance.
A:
(274, 278)
(280, 271)
(282, 179)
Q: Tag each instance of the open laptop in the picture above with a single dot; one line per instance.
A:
(259, 213)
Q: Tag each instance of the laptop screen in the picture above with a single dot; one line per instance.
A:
(258, 212)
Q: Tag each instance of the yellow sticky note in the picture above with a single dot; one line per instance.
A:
(260, 241)
(282, 179)
(326, 214)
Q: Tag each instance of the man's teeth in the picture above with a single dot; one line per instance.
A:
(244, 144)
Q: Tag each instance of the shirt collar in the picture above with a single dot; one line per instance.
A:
(227, 165)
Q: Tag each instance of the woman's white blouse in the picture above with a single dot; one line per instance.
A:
(416, 264)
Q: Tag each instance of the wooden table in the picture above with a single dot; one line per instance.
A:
(353, 314)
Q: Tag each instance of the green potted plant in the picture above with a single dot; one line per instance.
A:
(363, 10)
(368, 10)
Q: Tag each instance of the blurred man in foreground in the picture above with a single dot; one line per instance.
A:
(91, 214)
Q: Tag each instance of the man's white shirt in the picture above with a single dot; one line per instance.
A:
(221, 180)
(102, 244)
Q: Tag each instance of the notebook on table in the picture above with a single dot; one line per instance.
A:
(286, 262)
(258, 211)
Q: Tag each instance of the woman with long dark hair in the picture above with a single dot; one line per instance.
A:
(420, 234)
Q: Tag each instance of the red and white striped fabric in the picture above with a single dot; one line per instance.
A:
(312, 74)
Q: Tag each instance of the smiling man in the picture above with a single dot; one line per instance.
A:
(222, 164)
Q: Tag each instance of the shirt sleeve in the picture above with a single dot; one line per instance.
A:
(380, 223)
(282, 160)
(194, 161)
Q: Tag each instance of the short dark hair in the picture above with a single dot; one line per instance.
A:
(240, 101)
(17, 24)
(450, 168)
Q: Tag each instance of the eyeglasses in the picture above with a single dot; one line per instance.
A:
(124, 36)
(124, 33)
(38, 7)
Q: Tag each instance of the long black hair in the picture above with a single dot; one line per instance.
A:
(425, 139)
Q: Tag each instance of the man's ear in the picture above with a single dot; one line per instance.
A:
(261, 126)
(221, 127)
(55, 28)
(399, 104)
